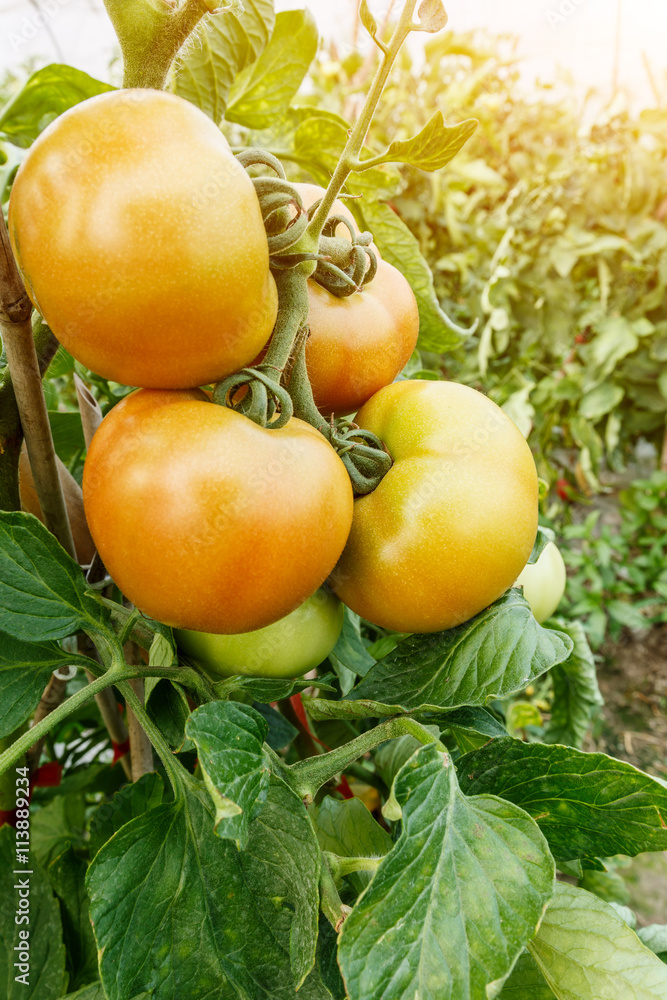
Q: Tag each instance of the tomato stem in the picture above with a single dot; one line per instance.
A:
(340, 867)
(307, 776)
(332, 906)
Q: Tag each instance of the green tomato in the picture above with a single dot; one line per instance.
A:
(289, 648)
(543, 582)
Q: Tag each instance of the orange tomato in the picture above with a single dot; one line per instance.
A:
(207, 521)
(451, 525)
(141, 241)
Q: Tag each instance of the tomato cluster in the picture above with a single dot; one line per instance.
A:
(141, 240)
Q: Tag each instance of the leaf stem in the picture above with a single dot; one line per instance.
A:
(332, 906)
(349, 160)
(172, 766)
(307, 776)
(339, 867)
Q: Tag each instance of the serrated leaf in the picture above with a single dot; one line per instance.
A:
(48, 92)
(46, 979)
(266, 689)
(43, 593)
(131, 801)
(587, 804)
(399, 247)
(267, 87)
(220, 48)
(576, 696)
(434, 147)
(229, 737)
(452, 905)
(181, 913)
(585, 951)
(25, 669)
(495, 654)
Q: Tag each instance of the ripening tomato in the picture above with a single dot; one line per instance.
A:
(360, 343)
(207, 521)
(289, 648)
(544, 582)
(141, 241)
(310, 193)
(452, 523)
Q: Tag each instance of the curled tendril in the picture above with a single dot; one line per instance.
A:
(265, 401)
(363, 454)
(345, 267)
(285, 218)
(260, 158)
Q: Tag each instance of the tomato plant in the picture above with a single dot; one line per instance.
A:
(208, 522)
(135, 197)
(543, 582)
(453, 521)
(289, 647)
(372, 831)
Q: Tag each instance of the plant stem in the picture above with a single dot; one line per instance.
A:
(333, 908)
(174, 769)
(339, 867)
(150, 33)
(349, 160)
(307, 776)
(19, 344)
(64, 710)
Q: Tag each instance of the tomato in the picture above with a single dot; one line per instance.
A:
(288, 648)
(543, 582)
(207, 521)
(141, 241)
(452, 523)
(310, 193)
(360, 343)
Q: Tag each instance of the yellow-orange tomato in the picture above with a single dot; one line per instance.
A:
(452, 523)
(205, 520)
(360, 343)
(141, 241)
(310, 193)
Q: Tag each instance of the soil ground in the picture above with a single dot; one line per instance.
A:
(633, 727)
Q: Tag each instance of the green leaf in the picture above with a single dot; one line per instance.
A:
(367, 19)
(46, 978)
(43, 593)
(544, 536)
(131, 801)
(67, 874)
(181, 913)
(346, 828)
(67, 432)
(94, 992)
(350, 649)
(57, 825)
(576, 696)
(455, 901)
(585, 951)
(45, 96)
(399, 247)
(600, 401)
(435, 146)
(267, 87)
(495, 654)
(167, 705)
(392, 755)
(266, 689)
(526, 982)
(655, 938)
(25, 668)
(281, 732)
(587, 804)
(431, 15)
(221, 48)
(229, 737)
